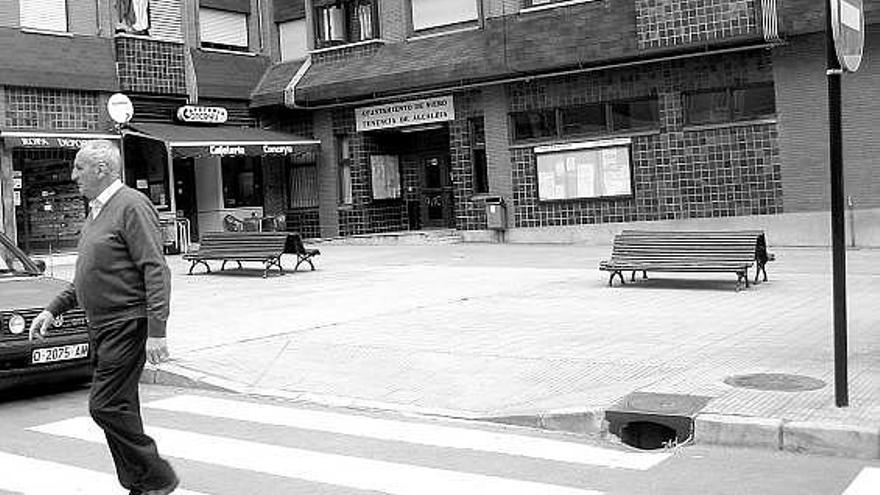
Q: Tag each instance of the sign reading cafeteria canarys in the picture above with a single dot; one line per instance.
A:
(249, 149)
(848, 30)
(405, 113)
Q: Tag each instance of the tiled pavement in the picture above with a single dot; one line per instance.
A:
(481, 330)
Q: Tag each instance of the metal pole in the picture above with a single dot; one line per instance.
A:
(838, 231)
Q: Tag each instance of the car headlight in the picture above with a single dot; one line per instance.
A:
(16, 323)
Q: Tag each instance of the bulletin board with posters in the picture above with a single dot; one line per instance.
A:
(596, 169)
(385, 171)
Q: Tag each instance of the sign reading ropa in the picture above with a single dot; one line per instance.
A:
(406, 113)
(45, 142)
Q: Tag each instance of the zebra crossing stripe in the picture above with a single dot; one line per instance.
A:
(867, 482)
(417, 433)
(353, 472)
(37, 477)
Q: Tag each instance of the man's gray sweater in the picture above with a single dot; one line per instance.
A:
(121, 272)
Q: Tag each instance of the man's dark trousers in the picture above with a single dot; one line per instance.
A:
(119, 356)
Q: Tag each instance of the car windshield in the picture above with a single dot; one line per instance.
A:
(12, 261)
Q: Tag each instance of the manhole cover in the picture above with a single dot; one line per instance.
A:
(777, 382)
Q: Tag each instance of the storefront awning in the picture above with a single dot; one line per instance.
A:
(195, 141)
(51, 140)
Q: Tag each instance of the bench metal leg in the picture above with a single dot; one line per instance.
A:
(303, 259)
(199, 262)
(742, 277)
(644, 275)
(619, 275)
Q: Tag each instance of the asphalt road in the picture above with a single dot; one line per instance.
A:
(227, 444)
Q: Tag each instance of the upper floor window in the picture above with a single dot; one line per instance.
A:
(427, 14)
(223, 29)
(48, 15)
(290, 18)
(338, 22)
(159, 19)
(730, 104)
(538, 3)
(293, 40)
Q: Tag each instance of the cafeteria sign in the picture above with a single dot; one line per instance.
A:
(406, 113)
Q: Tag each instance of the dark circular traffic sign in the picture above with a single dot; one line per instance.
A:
(848, 29)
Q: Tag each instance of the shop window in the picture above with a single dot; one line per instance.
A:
(45, 15)
(343, 147)
(385, 175)
(533, 124)
(478, 156)
(293, 39)
(583, 120)
(427, 14)
(338, 22)
(303, 186)
(707, 107)
(242, 181)
(730, 104)
(753, 102)
(223, 30)
(634, 114)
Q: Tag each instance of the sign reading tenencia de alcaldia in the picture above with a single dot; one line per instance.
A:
(405, 113)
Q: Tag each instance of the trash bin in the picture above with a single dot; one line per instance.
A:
(496, 213)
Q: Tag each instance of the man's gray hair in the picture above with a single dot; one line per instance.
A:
(103, 151)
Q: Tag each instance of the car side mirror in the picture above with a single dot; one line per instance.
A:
(41, 265)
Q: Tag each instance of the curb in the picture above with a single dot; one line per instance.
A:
(799, 437)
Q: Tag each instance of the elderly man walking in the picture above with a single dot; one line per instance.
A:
(124, 285)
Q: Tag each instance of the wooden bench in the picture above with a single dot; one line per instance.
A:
(688, 251)
(263, 247)
(294, 245)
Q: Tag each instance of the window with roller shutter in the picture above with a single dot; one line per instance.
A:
(165, 20)
(45, 15)
(223, 29)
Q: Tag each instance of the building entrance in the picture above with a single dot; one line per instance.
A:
(436, 190)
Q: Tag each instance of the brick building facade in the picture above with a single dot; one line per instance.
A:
(731, 86)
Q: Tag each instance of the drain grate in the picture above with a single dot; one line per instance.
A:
(650, 421)
(776, 382)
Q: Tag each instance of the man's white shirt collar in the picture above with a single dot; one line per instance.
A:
(98, 203)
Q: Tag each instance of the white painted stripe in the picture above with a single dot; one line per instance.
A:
(850, 15)
(32, 477)
(866, 483)
(418, 433)
(353, 472)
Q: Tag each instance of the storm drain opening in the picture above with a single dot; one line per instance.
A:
(651, 421)
(648, 435)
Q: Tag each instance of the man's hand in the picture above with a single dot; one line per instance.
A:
(40, 325)
(157, 350)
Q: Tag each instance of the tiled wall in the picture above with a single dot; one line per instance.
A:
(469, 213)
(364, 216)
(150, 66)
(663, 23)
(346, 52)
(678, 172)
(305, 221)
(55, 109)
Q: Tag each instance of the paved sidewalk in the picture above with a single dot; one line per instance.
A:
(532, 334)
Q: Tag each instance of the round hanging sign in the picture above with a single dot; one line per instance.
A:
(848, 30)
(120, 108)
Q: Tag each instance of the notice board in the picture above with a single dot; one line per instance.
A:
(584, 170)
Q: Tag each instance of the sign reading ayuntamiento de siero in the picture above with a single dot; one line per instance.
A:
(405, 113)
